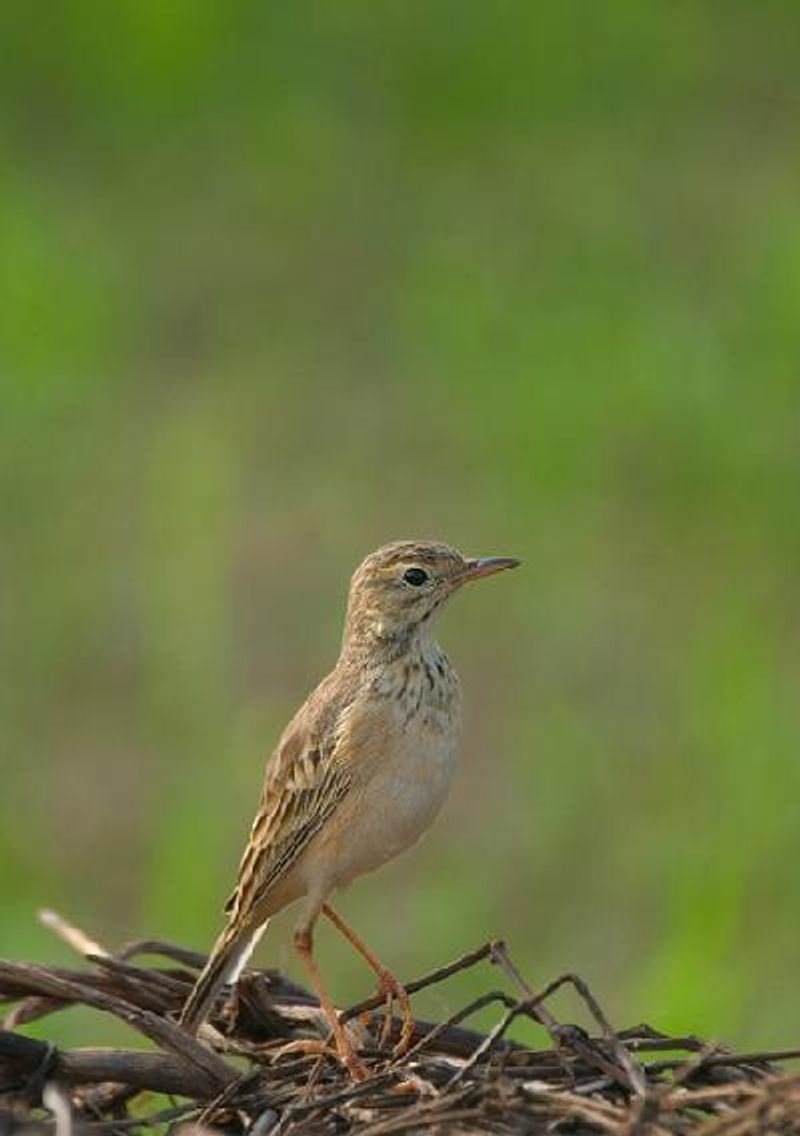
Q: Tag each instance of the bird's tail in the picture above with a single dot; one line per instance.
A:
(225, 963)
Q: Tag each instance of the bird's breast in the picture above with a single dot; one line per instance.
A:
(407, 776)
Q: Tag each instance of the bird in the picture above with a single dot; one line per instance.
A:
(358, 774)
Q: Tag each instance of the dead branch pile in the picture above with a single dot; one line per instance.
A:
(261, 1066)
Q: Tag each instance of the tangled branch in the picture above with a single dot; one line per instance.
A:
(262, 1064)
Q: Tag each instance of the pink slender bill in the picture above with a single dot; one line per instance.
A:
(486, 566)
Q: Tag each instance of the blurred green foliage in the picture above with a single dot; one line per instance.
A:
(281, 282)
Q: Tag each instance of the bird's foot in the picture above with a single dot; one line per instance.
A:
(315, 1047)
(346, 1053)
(356, 1068)
(306, 1047)
(392, 991)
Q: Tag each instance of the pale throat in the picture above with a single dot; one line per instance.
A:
(387, 638)
(409, 666)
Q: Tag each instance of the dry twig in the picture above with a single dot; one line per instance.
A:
(452, 1079)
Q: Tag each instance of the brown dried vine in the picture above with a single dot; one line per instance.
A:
(257, 1066)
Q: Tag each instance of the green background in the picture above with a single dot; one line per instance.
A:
(281, 282)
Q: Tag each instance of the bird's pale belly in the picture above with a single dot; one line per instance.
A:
(399, 801)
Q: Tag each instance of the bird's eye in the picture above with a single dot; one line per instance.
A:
(415, 576)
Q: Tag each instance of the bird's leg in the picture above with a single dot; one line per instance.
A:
(303, 946)
(387, 985)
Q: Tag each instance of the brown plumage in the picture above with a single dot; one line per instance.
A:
(360, 771)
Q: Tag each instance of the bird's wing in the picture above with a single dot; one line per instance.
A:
(306, 779)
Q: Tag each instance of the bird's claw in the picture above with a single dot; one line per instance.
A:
(393, 990)
(314, 1047)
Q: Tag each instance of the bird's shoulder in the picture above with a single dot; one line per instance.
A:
(319, 733)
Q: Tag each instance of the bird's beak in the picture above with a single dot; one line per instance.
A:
(485, 566)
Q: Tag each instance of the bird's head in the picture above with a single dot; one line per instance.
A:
(396, 591)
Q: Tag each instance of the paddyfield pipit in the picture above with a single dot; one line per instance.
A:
(359, 773)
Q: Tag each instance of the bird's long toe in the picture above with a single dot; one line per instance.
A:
(395, 991)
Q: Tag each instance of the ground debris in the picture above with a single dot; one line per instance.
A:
(261, 1065)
